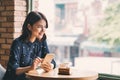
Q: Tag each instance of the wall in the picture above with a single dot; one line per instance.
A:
(12, 15)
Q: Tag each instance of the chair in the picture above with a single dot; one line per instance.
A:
(2, 71)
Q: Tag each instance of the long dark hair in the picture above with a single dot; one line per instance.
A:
(31, 19)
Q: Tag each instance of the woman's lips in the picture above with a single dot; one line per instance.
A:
(40, 33)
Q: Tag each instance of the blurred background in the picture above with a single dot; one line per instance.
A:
(84, 33)
(79, 28)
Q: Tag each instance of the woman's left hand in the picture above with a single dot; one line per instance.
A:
(47, 66)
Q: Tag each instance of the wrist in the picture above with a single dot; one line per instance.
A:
(30, 68)
(52, 66)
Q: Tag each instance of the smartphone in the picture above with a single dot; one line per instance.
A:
(48, 58)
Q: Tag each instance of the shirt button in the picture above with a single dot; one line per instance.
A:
(16, 56)
(23, 62)
(33, 47)
(18, 47)
(16, 64)
(44, 47)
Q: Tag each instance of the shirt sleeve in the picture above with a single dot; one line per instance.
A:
(14, 59)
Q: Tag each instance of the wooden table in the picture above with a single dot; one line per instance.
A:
(76, 74)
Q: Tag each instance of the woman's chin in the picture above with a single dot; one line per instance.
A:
(40, 37)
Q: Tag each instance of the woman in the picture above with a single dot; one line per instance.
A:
(28, 50)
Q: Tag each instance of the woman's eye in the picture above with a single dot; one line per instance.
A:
(39, 26)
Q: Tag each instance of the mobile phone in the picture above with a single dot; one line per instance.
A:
(48, 58)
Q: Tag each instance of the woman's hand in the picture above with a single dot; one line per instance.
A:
(47, 66)
(36, 62)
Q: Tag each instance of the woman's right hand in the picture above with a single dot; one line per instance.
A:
(36, 62)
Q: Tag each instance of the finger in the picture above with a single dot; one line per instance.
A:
(39, 59)
(46, 64)
(46, 69)
(35, 61)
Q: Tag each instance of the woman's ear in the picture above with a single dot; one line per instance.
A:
(29, 27)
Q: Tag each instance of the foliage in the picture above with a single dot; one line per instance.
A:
(108, 30)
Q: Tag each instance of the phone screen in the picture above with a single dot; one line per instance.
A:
(48, 57)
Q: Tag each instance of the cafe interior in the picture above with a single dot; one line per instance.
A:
(71, 47)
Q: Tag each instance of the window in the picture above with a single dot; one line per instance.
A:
(84, 33)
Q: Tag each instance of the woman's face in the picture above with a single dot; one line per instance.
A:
(38, 29)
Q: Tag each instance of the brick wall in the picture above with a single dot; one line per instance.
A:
(12, 15)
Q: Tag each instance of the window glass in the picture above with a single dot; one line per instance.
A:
(85, 34)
